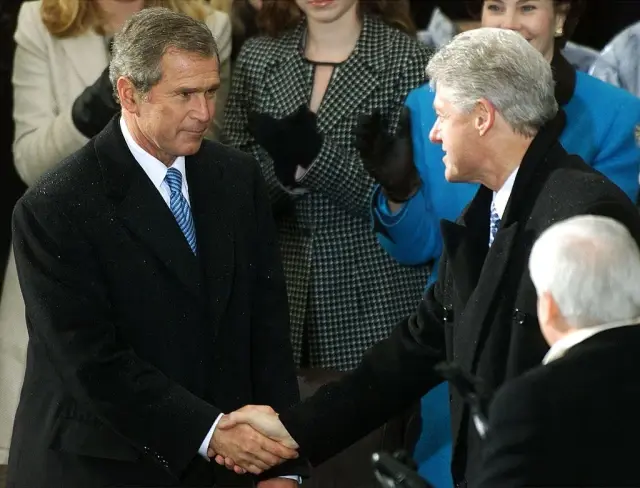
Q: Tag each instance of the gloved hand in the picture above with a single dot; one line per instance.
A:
(291, 141)
(389, 158)
(95, 106)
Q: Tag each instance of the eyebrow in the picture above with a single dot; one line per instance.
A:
(187, 89)
(519, 2)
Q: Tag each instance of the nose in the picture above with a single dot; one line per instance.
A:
(511, 21)
(434, 133)
(203, 108)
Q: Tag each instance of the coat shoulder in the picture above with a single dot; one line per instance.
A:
(242, 166)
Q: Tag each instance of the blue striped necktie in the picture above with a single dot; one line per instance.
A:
(180, 207)
(494, 224)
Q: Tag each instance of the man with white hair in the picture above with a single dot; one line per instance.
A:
(574, 420)
(498, 123)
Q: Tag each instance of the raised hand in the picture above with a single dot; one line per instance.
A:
(292, 141)
(246, 448)
(389, 158)
(261, 418)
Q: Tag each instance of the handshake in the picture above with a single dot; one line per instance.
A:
(251, 439)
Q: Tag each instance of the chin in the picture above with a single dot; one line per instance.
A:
(190, 148)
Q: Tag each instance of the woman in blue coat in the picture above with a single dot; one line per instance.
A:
(602, 122)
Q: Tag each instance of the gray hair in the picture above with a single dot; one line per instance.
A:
(591, 267)
(501, 66)
(146, 36)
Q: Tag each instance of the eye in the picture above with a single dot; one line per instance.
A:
(211, 93)
(528, 8)
(493, 7)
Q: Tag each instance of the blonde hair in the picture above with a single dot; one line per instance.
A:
(71, 18)
(224, 5)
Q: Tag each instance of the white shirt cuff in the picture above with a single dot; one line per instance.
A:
(207, 440)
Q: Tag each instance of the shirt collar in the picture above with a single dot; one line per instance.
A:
(561, 347)
(501, 197)
(153, 167)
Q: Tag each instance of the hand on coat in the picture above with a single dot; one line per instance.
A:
(292, 141)
(262, 419)
(245, 448)
(389, 158)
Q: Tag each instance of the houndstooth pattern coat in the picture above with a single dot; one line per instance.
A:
(343, 288)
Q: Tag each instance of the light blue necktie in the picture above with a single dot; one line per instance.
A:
(180, 207)
(494, 224)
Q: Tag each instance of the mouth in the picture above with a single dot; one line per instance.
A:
(320, 3)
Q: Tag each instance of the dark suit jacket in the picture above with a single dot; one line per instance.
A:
(481, 313)
(573, 422)
(136, 345)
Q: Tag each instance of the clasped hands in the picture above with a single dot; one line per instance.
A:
(251, 439)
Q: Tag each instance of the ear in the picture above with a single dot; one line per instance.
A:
(485, 116)
(561, 12)
(547, 309)
(128, 95)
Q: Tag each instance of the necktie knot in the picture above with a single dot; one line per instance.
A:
(494, 223)
(174, 180)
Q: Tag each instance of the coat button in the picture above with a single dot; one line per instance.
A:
(519, 316)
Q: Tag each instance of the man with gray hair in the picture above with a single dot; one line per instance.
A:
(498, 123)
(155, 296)
(574, 420)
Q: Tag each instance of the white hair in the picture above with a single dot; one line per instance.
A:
(591, 267)
(502, 67)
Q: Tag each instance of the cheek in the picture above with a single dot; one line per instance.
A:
(489, 21)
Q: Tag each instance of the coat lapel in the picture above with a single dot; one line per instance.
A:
(87, 54)
(355, 79)
(213, 217)
(466, 245)
(288, 77)
(142, 210)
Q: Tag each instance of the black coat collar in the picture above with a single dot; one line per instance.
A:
(565, 77)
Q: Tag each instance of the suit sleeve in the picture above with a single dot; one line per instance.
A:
(514, 443)
(44, 132)
(338, 172)
(272, 366)
(235, 133)
(69, 315)
(393, 374)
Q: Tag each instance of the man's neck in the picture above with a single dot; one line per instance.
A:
(142, 141)
(333, 42)
(503, 161)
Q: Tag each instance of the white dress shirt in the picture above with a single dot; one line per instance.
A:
(501, 197)
(154, 168)
(157, 171)
(560, 348)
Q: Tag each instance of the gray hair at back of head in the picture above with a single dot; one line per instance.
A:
(147, 35)
(500, 66)
(591, 267)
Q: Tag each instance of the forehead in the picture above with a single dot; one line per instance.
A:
(182, 65)
(441, 101)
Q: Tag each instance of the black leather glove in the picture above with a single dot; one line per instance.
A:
(389, 158)
(291, 141)
(95, 106)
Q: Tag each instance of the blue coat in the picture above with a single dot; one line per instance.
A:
(601, 127)
(602, 122)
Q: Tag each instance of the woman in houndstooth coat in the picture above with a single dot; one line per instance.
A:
(297, 94)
